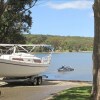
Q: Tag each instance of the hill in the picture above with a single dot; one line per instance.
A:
(62, 43)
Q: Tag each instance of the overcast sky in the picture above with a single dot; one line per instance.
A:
(63, 17)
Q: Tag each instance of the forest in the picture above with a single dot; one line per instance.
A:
(62, 43)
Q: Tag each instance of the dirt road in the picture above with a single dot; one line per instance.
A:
(42, 92)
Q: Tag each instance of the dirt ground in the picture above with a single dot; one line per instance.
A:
(22, 91)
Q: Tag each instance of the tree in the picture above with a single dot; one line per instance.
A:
(15, 19)
(55, 42)
(96, 52)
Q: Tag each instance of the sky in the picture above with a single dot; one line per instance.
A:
(63, 18)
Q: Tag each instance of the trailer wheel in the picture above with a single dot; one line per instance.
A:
(39, 80)
(34, 81)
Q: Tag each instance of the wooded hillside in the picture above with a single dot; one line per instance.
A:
(62, 43)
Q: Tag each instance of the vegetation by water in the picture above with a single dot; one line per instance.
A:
(77, 93)
(62, 43)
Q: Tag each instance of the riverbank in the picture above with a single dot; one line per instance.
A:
(72, 52)
(43, 92)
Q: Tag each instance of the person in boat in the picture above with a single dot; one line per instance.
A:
(62, 67)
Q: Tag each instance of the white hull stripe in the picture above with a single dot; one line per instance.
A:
(22, 65)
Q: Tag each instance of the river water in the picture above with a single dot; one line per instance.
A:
(81, 62)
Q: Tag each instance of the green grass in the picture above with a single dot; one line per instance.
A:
(77, 93)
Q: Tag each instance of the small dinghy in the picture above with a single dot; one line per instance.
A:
(65, 68)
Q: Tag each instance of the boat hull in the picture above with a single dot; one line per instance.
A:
(20, 69)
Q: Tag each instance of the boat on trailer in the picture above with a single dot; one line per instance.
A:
(17, 60)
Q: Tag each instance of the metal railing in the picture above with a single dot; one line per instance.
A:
(46, 59)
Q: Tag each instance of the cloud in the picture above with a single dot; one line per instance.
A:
(83, 4)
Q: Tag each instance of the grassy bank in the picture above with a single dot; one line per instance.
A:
(77, 93)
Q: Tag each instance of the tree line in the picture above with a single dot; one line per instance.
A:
(62, 43)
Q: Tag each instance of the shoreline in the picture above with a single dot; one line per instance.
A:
(72, 52)
(64, 52)
(1, 80)
(68, 80)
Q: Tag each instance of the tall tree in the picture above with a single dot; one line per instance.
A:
(15, 19)
(96, 52)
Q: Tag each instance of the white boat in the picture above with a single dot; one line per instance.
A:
(17, 63)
